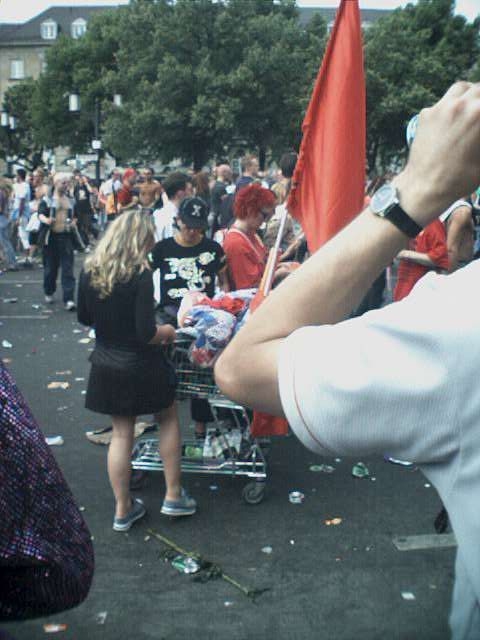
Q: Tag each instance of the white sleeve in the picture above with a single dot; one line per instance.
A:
(157, 219)
(395, 381)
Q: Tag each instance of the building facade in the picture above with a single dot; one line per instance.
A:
(23, 46)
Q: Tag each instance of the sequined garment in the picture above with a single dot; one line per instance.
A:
(46, 554)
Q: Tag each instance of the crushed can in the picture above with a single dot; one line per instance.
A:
(185, 564)
(296, 497)
(360, 470)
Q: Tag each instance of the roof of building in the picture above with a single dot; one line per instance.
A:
(29, 32)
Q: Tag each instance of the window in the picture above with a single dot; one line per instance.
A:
(17, 70)
(48, 30)
(78, 28)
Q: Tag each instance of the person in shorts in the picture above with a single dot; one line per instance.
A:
(130, 375)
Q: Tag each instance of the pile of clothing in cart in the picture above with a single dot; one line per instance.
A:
(212, 322)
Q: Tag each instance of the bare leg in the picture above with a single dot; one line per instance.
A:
(170, 450)
(119, 457)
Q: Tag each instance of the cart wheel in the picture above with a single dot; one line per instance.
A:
(253, 492)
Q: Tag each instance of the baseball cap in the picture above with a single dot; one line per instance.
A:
(193, 212)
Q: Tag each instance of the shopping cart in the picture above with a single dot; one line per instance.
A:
(228, 447)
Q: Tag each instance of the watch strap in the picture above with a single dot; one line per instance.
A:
(397, 216)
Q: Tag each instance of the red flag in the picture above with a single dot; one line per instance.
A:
(329, 179)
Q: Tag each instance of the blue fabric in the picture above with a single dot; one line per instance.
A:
(5, 242)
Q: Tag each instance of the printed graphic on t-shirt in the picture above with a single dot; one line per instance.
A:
(188, 269)
(184, 269)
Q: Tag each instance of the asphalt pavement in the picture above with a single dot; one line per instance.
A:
(341, 581)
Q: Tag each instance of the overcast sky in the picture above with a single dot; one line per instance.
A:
(22, 10)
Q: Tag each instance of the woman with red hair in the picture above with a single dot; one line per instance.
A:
(246, 253)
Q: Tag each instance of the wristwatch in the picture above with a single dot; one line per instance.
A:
(385, 204)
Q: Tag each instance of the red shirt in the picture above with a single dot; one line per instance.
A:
(432, 241)
(124, 196)
(246, 256)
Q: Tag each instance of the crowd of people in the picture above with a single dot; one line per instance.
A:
(151, 243)
(45, 217)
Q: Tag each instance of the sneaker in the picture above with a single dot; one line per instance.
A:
(70, 305)
(184, 506)
(100, 436)
(138, 511)
(49, 299)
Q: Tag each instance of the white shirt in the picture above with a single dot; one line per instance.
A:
(21, 191)
(403, 380)
(107, 187)
(164, 219)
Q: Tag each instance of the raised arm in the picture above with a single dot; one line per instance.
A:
(444, 163)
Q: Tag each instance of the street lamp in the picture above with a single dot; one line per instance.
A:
(74, 102)
(74, 107)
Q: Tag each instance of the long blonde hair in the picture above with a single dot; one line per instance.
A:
(122, 251)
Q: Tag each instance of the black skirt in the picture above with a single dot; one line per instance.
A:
(144, 383)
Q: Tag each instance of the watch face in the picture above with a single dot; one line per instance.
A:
(383, 198)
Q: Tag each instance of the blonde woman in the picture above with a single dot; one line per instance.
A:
(129, 374)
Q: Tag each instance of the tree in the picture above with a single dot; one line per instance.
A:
(82, 66)
(272, 81)
(412, 56)
(213, 73)
(20, 144)
(171, 108)
(195, 75)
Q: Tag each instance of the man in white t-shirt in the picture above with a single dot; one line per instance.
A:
(400, 380)
(21, 208)
(113, 184)
(177, 186)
